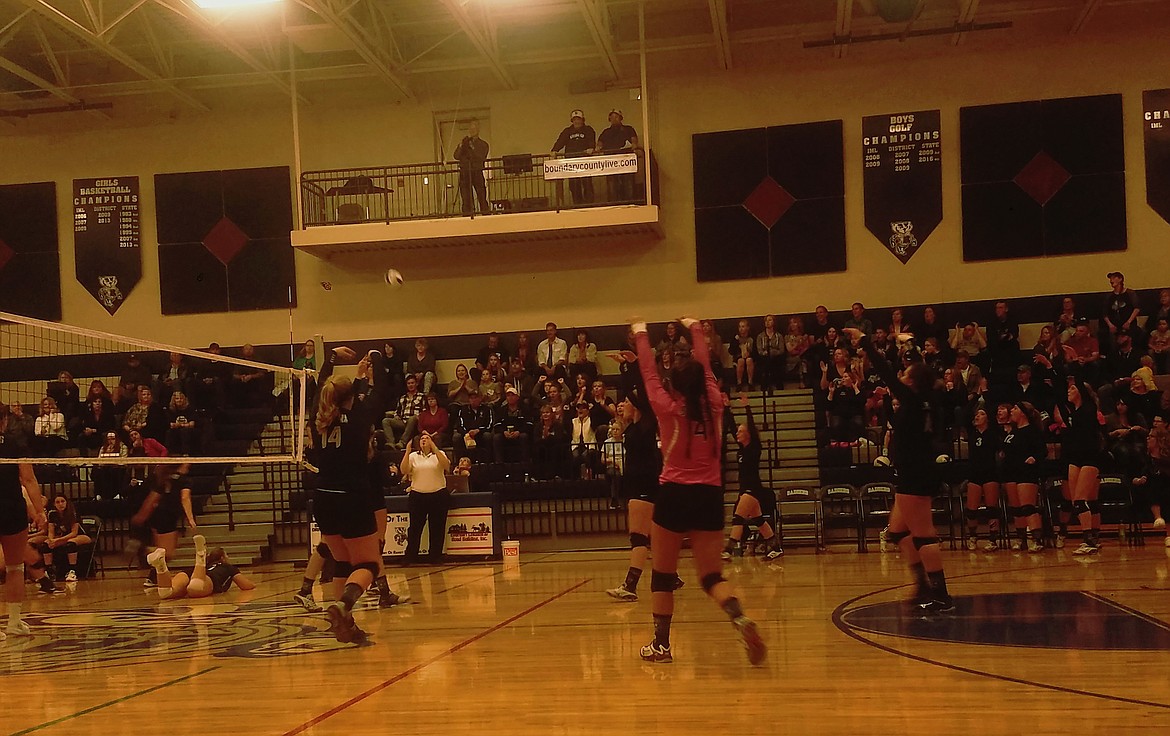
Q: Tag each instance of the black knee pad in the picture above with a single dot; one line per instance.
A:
(920, 542)
(38, 565)
(757, 521)
(737, 520)
(1081, 507)
(1016, 512)
(896, 537)
(662, 582)
(1095, 507)
(44, 548)
(1028, 509)
(70, 547)
(639, 540)
(342, 569)
(709, 581)
(1066, 506)
(971, 514)
(371, 566)
(324, 551)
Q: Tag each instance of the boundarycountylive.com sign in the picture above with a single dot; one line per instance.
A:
(573, 168)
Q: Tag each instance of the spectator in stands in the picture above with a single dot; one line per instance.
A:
(969, 337)
(1162, 312)
(721, 363)
(485, 353)
(434, 420)
(394, 374)
(1119, 367)
(583, 441)
(421, 365)
(552, 354)
(463, 467)
(932, 327)
(1143, 389)
(796, 346)
(898, 324)
(550, 445)
(492, 392)
(520, 380)
(473, 425)
(1083, 349)
(770, 349)
(1152, 487)
(97, 422)
(472, 153)
(65, 535)
(602, 409)
(97, 390)
(578, 139)
(110, 480)
(459, 389)
(846, 410)
(1003, 345)
(1125, 437)
(146, 417)
(556, 399)
(175, 377)
(1036, 393)
(583, 356)
(135, 374)
(142, 446)
(743, 352)
(512, 431)
(833, 372)
(67, 395)
(409, 405)
(932, 354)
(857, 319)
(618, 138)
(21, 428)
(967, 374)
(1048, 356)
(821, 323)
(493, 372)
(211, 381)
(581, 390)
(884, 344)
(525, 354)
(1120, 311)
(306, 357)
(182, 436)
(672, 338)
(250, 386)
(1066, 322)
(49, 433)
(1159, 342)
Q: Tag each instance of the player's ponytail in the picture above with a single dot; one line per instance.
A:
(333, 394)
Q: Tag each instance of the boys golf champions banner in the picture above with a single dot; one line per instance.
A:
(902, 164)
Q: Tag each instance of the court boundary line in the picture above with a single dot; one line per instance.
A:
(1127, 609)
(107, 704)
(423, 665)
(847, 630)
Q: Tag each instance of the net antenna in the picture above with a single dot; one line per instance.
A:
(34, 353)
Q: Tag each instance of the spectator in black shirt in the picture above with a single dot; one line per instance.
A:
(481, 358)
(1119, 314)
(472, 153)
(472, 429)
(821, 323)
(619, 138)
(1003, 345)
(578, 140)
(513, 429)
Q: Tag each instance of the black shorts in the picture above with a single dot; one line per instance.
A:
(13, 514)
(920, 483)
(1022, 475)
(163, 521)
(982, 476)
(766, 498)
(638, 489)
(1086, 459)
(340, 513)
(377, 500)
(683, 508)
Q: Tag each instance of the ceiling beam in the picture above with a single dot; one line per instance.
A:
(66, 23)
(844, 27)
(107, 32)
(718, 9)
(967, 10)
(479, 38)
(186, 10)
(8, 32)
(918, 8)
(17, 70)
(50, 55)
(375, 57)
(598, 26)
(1086, 13)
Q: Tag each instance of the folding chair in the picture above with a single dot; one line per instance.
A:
(841, 509)
(1117, 507)
(877, 502)
(798, 506)
(89, 558)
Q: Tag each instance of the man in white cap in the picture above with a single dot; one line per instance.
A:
(578, 140)
(618, 138)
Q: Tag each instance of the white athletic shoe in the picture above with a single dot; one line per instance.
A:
(774, 553)
(622, 594)
(990, 546)
(1159, 523)
(307, 602)
(18, 628)
(1016, 546)
(1059, 544)
(1035, 546)
(71, 577)
(1086, 549)
(153, 558)
(749, 636)
(972, 544)
(200, 549)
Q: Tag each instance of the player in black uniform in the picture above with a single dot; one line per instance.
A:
(918, 478)
(341, 442)
(756, 503)
(639, 486)
(14, 517)
(1023, 453)
(984, 442)
(1081, 443)
(168, 495)
(213, 573)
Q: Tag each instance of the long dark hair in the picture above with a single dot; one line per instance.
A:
(689, 380)
(68, 517)
(922, 377)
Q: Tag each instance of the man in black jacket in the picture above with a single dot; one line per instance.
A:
(512, 429)
(578, 140)
(619, 138)
(472, 153)
(473, 425)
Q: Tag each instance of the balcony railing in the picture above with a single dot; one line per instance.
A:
(429, 191)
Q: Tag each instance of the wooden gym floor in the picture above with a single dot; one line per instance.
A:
(1041, 644)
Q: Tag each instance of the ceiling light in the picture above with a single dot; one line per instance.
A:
(231, 4)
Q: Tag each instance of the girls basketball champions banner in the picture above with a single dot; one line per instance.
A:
(107, 238)
(1156, 127)
(902, 164)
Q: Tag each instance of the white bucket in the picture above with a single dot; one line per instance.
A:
(511, 549)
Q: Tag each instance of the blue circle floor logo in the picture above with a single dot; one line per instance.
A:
(80, 639)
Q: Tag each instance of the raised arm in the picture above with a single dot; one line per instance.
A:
(655, 393)
(887, 372)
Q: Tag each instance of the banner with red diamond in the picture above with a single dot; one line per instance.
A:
(107, 238)
(30, 261)
(902, 165)
(1035, 184)
(1156, 125)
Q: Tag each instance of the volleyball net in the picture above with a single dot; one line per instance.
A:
(77, 397)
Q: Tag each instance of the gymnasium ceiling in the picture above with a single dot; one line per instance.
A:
(60, 54)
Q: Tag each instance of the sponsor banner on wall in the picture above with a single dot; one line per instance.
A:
(902, 164)
(575, 168)
(1156, 127)
(469, 532)
(107, 238)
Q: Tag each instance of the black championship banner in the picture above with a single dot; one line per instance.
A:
(1156, 124)
(903, 179)
(107, 238)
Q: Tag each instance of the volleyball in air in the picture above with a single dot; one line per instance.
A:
(393, 277)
